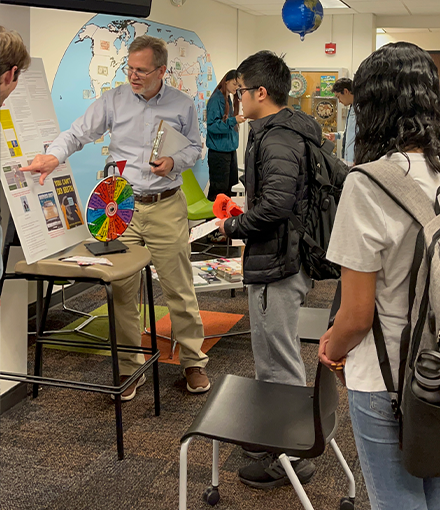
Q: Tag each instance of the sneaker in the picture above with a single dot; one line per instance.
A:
(130, 392)
(196, 380)
(254, 452)
(269, 472)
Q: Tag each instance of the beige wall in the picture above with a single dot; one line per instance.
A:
(16, 18)
(354, 36)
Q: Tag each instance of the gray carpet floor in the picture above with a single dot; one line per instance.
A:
(58, 451)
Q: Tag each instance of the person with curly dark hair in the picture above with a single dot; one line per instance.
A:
(397, 105)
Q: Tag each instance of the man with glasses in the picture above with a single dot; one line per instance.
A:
(276, 185)
(342, 90)
(14, 58)
(132, 113)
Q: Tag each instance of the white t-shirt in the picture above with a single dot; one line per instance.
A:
(372, 233)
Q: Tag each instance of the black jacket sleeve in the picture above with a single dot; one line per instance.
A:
(281, 153)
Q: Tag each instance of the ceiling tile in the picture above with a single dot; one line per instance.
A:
(417, 7)
(381, 7)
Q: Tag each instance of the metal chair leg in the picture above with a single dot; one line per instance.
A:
(115, 368)
(215, 457)
(183, 477)
(79, 329)
(347, 470)
(41, 321)
(285, 462)
(152, 316)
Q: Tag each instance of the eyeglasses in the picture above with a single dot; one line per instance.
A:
(240, 91)
(128, 71)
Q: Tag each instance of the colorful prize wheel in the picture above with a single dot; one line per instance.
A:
(110, 208)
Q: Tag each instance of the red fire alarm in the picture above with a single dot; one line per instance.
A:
(330, 48)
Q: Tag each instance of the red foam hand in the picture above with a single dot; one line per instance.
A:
(224, 207)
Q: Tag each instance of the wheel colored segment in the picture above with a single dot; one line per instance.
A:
(110, 208)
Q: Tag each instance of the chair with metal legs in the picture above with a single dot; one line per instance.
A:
(79, 330)
(295, 421)
(290, 421)
(52, 269)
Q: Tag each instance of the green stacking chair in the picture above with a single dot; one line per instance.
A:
(199, 207)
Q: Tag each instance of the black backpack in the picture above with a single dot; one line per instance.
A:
(326, 176)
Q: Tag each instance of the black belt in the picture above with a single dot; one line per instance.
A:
(151, 199)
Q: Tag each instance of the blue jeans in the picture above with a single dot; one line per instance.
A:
(376, 432)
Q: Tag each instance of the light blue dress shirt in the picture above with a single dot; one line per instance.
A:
(350, 129)
(133, 122)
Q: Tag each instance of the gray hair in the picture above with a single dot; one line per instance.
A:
(158, 46)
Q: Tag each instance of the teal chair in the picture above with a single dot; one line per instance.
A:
(199, 207)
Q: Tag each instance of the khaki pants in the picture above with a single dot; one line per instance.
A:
(163, 228)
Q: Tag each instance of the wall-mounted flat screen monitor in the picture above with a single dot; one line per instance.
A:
(139, 8)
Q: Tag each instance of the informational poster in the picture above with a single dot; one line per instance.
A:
(327, 83)
(48, 218)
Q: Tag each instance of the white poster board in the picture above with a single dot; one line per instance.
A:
(48, 218)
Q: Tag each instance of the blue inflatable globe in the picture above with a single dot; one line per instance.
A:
(302, 16)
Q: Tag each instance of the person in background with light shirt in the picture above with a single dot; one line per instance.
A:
(132, 113)
(342, 89)
(14, 59)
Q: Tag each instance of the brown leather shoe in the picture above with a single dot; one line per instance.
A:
(130, 392)
(196, 380)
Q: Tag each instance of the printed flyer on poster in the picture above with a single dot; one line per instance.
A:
(327, 83)
(48, 218)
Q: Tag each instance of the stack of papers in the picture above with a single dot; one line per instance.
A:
(203, 230)
(88, 261)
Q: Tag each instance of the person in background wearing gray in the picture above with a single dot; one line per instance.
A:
(276, 185)
(342, 89)
(14, 59)
(132, 113)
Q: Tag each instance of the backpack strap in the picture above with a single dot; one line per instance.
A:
(410, 197)
(401, 187)
(382, 354)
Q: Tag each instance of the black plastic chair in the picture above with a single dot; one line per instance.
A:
(286, 420)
